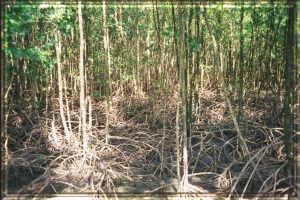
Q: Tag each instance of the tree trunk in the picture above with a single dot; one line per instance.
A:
(290, 62)
(241, 78)
(60, 86)
(82, 81)
(107, 63)
(182, 79)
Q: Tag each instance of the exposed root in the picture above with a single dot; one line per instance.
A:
(141, 152)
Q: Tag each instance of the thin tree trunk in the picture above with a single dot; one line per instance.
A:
(175, 38)
(137, 70)
(82, 81)
(241, 78)
(60, 86)
(178, 155)
(178, 145)
(182, 79)
(290, 62)
(67, 105)
(107, 63)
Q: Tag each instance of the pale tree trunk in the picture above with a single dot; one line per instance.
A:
(67, 105)
(182, 79)
(137, 73)
(82, 80)
(60, 86)
(148, 78)
(107, 63)
(178, 154)
(175, 38)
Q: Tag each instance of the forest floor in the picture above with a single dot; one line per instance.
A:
(140, 156)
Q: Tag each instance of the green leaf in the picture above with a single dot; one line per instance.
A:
(196, 47)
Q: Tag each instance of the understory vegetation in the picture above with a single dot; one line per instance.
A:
(150, 98)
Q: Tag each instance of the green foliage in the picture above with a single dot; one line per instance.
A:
(194, 44)
(127, 77)
(29, 38)
(169, 32)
